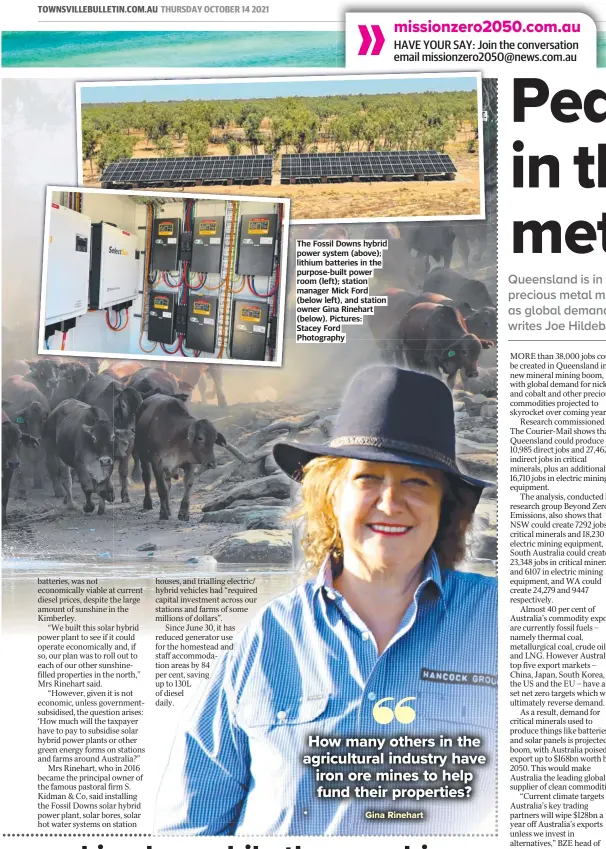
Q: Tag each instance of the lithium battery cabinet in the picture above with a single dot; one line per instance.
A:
(248, 330)
(114, 271)
(201, 333)
(256, 244)
(67, 266)
(161, 320)
(165, 249)
(208, 244)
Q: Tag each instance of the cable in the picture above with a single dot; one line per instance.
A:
(237, 291)
(273, 318)
(166, 351)
(201, 282)
(183, 348)
(146, 277)
(118, 327)
(228, 277)
(166, 279)
(251, 286)
(213, 288)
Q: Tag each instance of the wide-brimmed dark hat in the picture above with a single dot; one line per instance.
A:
(388, 415)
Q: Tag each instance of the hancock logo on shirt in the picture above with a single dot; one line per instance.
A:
(444, 676)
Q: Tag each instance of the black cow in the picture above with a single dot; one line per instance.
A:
(44, 374)
(81, 437)
(120, 404)
(156, 381)
(461, 289)
(31, 420)
(70, 380)
(12, 439)
(169, 438)
(18, 393)
(425, 241)
(436, 338)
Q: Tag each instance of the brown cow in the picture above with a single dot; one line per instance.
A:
(41, 380)
(481, 322)
(19, 391)
(385, 324)
(12, 367)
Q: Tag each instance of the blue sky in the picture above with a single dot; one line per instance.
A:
(243, 90)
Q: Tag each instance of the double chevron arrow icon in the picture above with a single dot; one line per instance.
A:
(367, 39)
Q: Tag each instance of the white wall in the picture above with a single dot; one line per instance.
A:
(91, 333)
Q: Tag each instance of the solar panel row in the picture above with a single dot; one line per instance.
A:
(380, 164)
(180, 169)
(294, 167)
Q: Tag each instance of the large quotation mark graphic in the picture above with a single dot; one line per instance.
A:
(405, 714)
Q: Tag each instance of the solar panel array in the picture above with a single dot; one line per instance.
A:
(380, 165)
(189, 169)
(298, 167)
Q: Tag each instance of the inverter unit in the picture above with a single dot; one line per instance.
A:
(114, 272)
(201, 333)
(248, 330)
(165, 244)
(161, 319)
(208, 244)
(68, 264)
(256, 243)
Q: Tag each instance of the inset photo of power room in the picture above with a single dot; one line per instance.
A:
(164, 277)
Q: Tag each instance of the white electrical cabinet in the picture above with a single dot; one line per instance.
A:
(68, 264)
(114, 274)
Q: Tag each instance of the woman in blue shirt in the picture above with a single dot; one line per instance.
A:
(348, 705)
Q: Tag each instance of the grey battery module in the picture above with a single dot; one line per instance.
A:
(256, 244)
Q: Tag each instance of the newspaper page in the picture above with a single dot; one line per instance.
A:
(303, 426)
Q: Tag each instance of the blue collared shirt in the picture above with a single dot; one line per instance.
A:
(307, 666)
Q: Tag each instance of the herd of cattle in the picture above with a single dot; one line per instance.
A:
(78, 423)
(444, 319)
